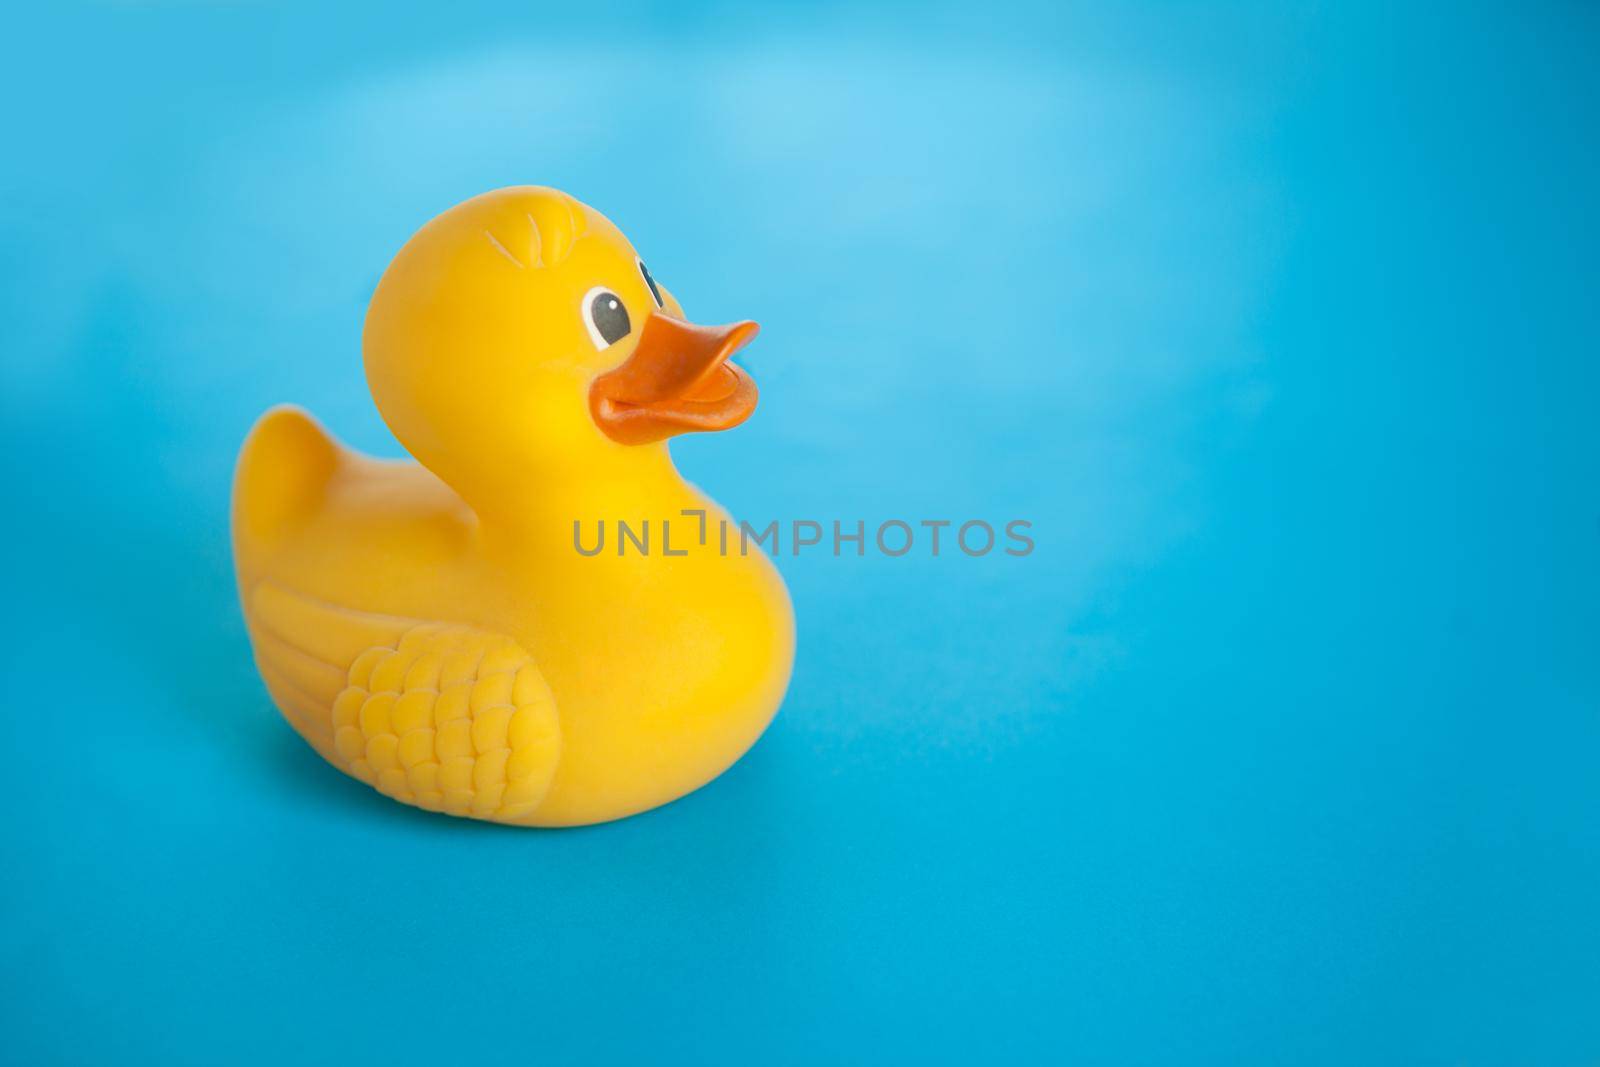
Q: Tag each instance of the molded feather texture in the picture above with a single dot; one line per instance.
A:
(440, 715)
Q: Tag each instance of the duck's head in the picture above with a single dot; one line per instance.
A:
(519, 336)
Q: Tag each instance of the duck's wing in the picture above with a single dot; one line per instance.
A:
(442, 715)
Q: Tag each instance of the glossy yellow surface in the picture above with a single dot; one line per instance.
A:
(430, 627)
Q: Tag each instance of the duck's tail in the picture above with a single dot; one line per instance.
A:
(284, 469)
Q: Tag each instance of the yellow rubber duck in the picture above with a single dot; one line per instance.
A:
(432, 627)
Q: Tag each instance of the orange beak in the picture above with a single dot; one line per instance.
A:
(678, 380)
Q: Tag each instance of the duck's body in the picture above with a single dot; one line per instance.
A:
(464, 654)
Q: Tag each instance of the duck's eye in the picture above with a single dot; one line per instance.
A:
(605, 316)
(651, 282)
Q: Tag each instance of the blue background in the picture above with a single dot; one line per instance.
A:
(1279, 323)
